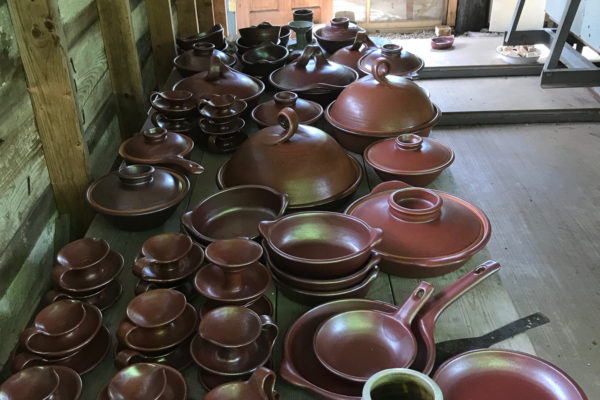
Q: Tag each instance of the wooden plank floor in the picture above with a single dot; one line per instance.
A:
(487, 307)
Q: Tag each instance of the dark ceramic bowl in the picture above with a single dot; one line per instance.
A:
(103, 298)
(83, 253)
(178, 357)
(45, 382)
(284, 35)
(89, 280)
(234, 212)
(146, 381)
(263, 60)
(319, 244)
(261, 33)
(442, 42)
(214, 35)
(170, 273)
(156, 308)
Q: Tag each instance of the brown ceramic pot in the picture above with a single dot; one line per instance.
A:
(83, 253)
(319, 244)
(234, 212)
(302, 161)
(214, 35)
(357, 344)
(265, 114)
(426, 232)
(157, 146)
(42, 383)
(86, 281)
(349, 55)
(402, 62)
(138, 197)
(409, 158)
(178, 357)
(260, 386)
(312, 76)
(173, 104)
(339, 33)
(103, 298)
(62, 328)
(82, 361)
(261, 33)
(220, 79)
(380, 106)
(146, 381)
(198, 59)
(264, 59)
(442, 42)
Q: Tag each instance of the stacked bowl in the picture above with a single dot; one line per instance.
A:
(157, 329)
(66, 333)
(319, 256)
(234, 276)
(41, 383)
(168, 261)
(232, 342)
(145, 381)
(87, 270)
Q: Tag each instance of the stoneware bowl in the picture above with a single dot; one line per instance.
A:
(146, 381)
(83, 253)
(260, 386)
(43, 383)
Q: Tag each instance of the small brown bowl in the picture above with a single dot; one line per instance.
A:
(156, 308)
(178, 125)
(146, 381)
(159, 338)
(103, 298)
(324, 285)
(261, 33)
(210, 381)
(210, 282)
(260, 386)
(45, 383)
(313, 298)
(319, 244)
(172, 272)
(442, 42)
(185, 286)
(88, 280)
(82, 362)
(264, 59)
(62, 328)
(178, 357)
(83, 253)
(166, 248)
(262, 306)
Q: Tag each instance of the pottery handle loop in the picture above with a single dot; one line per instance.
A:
(189, 166)
(288, 119)
(306, 56)
(139, 265)
(413, 304)
(124, 330)
(360, 39)
(25, 360)
(375, 236)
(381, 67)
(263, 379)
(285, 200)
(152, 96)
(27, 334)
(127, 356)
(273, 330)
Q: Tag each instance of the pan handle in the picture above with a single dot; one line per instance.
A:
(409, 309)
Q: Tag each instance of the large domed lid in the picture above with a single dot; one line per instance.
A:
(383, 105)
(220, 79)
(401, 61)
(300, 160)
(350, 55)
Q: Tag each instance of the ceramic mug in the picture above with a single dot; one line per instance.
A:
(164, 251)
(401, 384)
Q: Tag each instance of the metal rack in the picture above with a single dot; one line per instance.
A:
(574, 69)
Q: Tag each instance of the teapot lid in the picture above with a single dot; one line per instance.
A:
(155, 143)
(401, 61)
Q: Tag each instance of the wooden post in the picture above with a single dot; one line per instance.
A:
(42, 45)
(160, 24)
(206, 17)
(220, 14)
(451, 12)
(187, 19)
(123, 64)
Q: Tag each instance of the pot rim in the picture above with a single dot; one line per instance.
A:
(146, 211)
(313, 261)
(384, 134)
(440, 168)
(138, 160)
(221, 184)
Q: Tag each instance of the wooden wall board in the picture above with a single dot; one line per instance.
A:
(187, 18)
(206, 18)
(220, 14)
(162, 36)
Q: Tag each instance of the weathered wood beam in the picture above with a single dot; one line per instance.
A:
(206, 17)
(187, 17)
(451, 12)
(42, 45)
(160, 24)
(123, 64)
(220, 14)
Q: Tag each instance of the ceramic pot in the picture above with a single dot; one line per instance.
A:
(402, 62)
(264, 59)
(173, 104)
(401, 383)
(284, 35)
(198, 59)
(86, 281)
(442, 42)
(349, 55)
(261, 33)
(308, 112)
(220, 79)
(156, 146)
(42, 383)
(339, 33)
(214, 35)
(312, 76)
(146, 381)
(409, 158)
(318, 173)
(426, 232)
(332, 246)
(260, 386)
(83, 253)
(234, 212)
(378, 107)
(138, 197)
(62, 328)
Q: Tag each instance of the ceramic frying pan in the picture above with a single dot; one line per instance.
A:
(357, 344)
(424, 324)
(504, 374)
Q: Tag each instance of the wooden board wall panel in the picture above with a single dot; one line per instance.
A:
(93, 103)
(77, 17)
(41, 41)
(220, 14)
(96, 129)
(149, 75)
(162, 33)
(206, 18)
(123, 62)
(139, 20)
(187, 19)
(106, 150)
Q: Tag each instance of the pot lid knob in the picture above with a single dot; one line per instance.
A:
(288, 119)
(409, 141)
(340, 22)
(138, 174)
(154, 135)
(391, 50)
(415, 205)
(286, 98)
